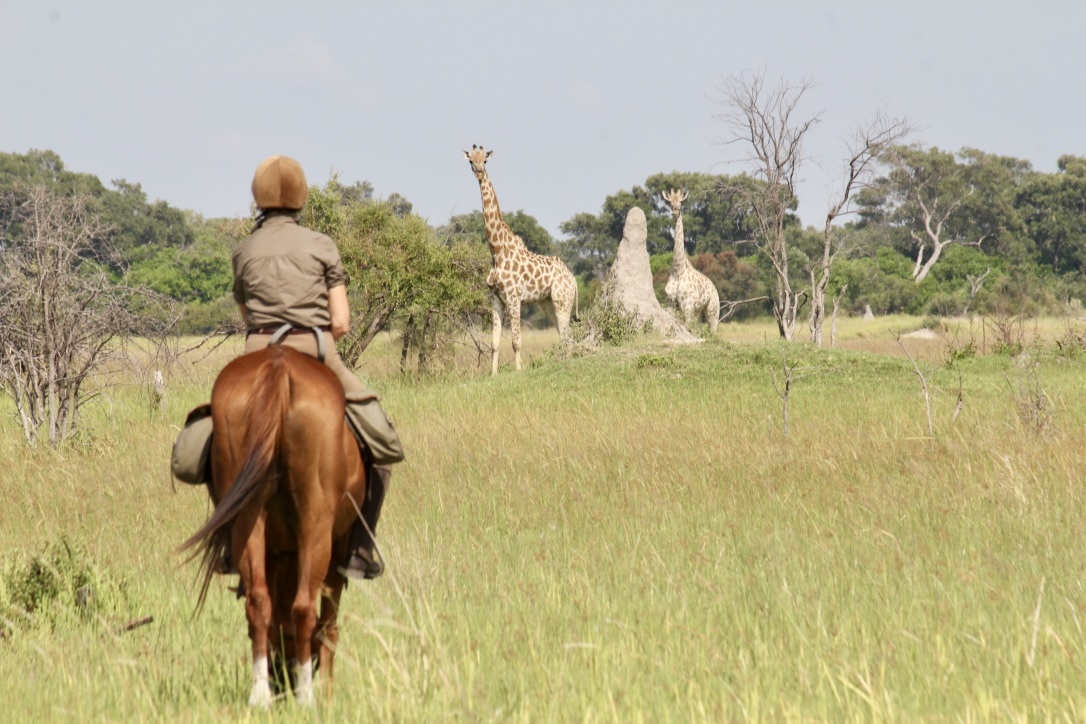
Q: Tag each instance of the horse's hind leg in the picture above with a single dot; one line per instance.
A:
(314, 554)
(328, 625)
(249, 552)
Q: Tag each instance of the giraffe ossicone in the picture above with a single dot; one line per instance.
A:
(518, 275)
(687, 288)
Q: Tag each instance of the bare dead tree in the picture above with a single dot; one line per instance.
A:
(765, 121)
(869, 143)
(960, 404)
(833, 317)
(923, 383)
(789, 377)
(784, 390)
(64, 318)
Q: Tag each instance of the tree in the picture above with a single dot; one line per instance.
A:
(140, 228)
(455, 291)
(712, 222)
(940, 201)
(765, 122)
(1054, 212)
(398, 269)
(471, 228)
(737, 280)
(868, 144)
(199, 272)
(62, 313)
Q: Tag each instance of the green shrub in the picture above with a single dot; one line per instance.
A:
(607, 322)
(58, 584)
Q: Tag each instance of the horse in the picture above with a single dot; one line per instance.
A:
(288, 481)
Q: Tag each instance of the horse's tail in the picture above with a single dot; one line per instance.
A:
(265, 411)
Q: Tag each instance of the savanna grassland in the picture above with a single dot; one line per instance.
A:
(626, 535)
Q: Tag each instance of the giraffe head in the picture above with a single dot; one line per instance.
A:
(477, 158)
(675, 199)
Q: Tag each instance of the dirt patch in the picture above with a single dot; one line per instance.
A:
(924, 333)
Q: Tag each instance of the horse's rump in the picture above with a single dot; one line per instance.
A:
(281, 453)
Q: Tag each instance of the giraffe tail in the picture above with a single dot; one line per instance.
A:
(576, 301)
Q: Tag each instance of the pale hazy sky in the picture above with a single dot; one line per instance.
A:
(577, 99)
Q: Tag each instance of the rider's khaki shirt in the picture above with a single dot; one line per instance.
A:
(282, 273)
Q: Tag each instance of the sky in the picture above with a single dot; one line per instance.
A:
(578, 100)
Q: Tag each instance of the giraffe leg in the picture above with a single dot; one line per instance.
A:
(688, 313)
(548, 309)
(495, 332)
(712, 311)
(514, 328)
(562, 311)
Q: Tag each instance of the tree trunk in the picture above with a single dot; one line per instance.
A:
(922, 270)
(406, 348)
(833, 319)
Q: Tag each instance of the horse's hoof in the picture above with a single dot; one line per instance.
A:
(261, 696)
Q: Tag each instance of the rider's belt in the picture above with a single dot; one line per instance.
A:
(293, 330)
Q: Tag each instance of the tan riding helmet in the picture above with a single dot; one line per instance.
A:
(279, 183)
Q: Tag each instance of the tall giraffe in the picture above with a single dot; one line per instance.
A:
(687, 288)
(518, 275)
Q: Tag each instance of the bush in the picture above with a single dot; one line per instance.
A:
(57, 585)
(607, 322)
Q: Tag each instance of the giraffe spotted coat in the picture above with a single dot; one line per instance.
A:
(518, 275)
(687, 288)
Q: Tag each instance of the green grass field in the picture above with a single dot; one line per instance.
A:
(621, 536)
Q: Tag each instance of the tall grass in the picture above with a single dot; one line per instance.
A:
(622, 536)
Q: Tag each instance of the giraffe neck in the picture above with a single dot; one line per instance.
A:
(499, 236)
(678, 256)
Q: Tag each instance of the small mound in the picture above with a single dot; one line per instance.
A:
(924, 333)
(629, 283)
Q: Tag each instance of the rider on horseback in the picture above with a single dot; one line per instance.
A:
(290, 287)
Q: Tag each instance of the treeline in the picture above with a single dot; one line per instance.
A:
(935, 233)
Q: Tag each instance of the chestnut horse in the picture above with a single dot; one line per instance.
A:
(287, 477)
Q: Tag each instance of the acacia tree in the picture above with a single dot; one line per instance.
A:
(399, 271)
(62, 313)
(869, 143)
(766, 122)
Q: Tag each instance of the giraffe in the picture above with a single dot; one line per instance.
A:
(687, 288)
(518, 275)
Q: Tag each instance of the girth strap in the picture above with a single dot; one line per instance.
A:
(277, 338)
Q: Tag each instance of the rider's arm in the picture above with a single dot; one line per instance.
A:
(339, 310)
(244, 314)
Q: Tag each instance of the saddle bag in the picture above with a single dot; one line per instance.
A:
(190, 461)
(372, 427)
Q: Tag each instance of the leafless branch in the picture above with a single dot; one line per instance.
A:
(923, 382)
(65, 320)
(765, 122)
(727, 309)
(869, 143)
